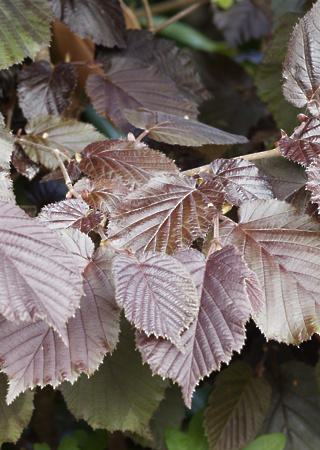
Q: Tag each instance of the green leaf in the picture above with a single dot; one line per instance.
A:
(269, 75)
(236, 407)
(169, 414)
(25, 28)
(121, 395)
(57, 132)
(69, 443)
(294, 407)
(275, 441)
(15, 417)
(194, 439)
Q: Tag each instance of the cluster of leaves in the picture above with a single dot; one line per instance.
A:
(147, 257)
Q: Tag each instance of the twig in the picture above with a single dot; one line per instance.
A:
(65, 174)
(251, 157)
(179, 15)
(147, 9)
(41, 147)
(57, 154)
(164, 7)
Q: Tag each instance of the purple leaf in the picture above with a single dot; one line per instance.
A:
(301, 72)
(282, 247)
(70, 213)
(172, 61)
(131, 84)
(33, 354)
(43, 90)
(164, 215)
(23, 164)
(101, 193)
(101, 21)
(313, 184)
(241, 180)
(304, 145)
(243, 21)
(6, 187)
(157, 294)
(217, 331)
(131, 162)
(37, 274)
(177, 130)
(6, 145)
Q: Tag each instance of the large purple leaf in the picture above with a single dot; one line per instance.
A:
(171, 129)
(132, 84)
(301, 68)
(37, 274)
(43, 90)
(157, 294)
(164, 215)
(237, 407)
(121, 395)
(70, 213)
(33, 354)
(282, 246)
(101, 21)
(241, 180)
(217, 331)
(131, 162)
(67, 135)
(304, 144)
(170, 60)
(13, 418)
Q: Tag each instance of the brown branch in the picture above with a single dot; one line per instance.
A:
(179, 15)
(41, 147)
(251, 157)
(148, 14)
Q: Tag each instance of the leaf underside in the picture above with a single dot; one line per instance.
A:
(217, 331)
(281, 246)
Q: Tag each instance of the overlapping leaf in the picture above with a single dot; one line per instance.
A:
(100, 21)
(23, 164)
(132, 84)
(121, 395)
(241, 180)
(194, 438)
(243, 21)
(157, 294)
(13, 418)
(37, 275)
(282, 246)
(294, 408)
(182, 131)
(102, 193)
(70, 213)
(67, 135)
(217, 331)
(131, 162)
(33, 354)
(301, 66)
(304, 145)
(165, 214)
(25, 28)
(6, 187)
(284, 176)
(43, 90)
(236, 407)
(170, 60)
